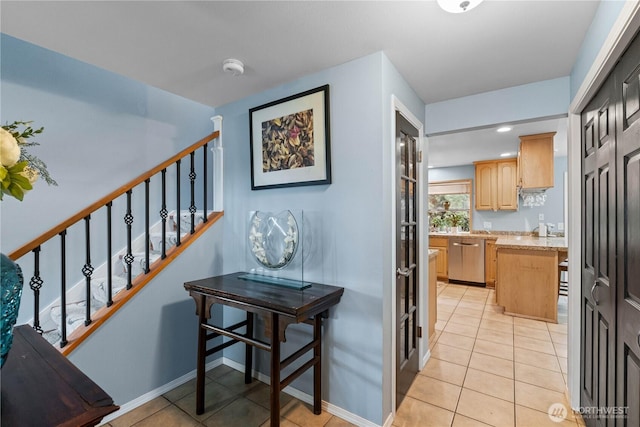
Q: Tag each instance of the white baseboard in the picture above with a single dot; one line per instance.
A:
(307, 398)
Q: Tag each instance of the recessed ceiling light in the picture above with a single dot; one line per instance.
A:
(506, 154)
(458, 6)
(504, 129)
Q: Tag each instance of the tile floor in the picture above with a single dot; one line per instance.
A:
(486, 369)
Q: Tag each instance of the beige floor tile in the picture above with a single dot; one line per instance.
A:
(535, 358)
(540, 399)
(502, 351)
(563, 364)
(338, 422)
(561, 350)
(557, 327)
(436, 392)
(462, 421)
(283, 423)
(491, 384)
(538, 334)
(219, 371)
(464, 320)
(445, 371)
(496, 325)
(496, 309)
(475, 299)
(461, 329)
(558, 338)
(451, 354)
(538, 376)
(169, 416)
(140, 413)
(455, 340)
(413, 413)
(471, 304)
(533, 344)
(537, 324)
(239, 412)
(434, 338)
(485, 408)
(491, 364)
(184, 389)
(495, 336)
(444, 300)
(497, 316)
(440, 324)
(302, 414)
(465, 311)
(526, 417)
(261, 394)
(234, 382)
(443, 315)
(216, 397)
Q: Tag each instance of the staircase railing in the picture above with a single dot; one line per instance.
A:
(67, 252)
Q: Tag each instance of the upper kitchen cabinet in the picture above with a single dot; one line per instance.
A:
(535, 161)
(496, 185)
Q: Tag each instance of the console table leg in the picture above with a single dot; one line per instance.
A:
(275, 370)
(317, 368)
(248, 358)
(202, 350)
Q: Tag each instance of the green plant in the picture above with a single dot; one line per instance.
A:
(19, 170)
(437, 220)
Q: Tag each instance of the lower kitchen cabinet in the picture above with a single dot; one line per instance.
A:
(442, 260)
(490, 263)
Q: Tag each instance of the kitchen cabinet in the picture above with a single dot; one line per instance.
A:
(490, 257)
(496, 184)
(433, 296)
(442, 259)
(535, 161)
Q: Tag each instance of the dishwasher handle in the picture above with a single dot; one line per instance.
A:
(475, 245)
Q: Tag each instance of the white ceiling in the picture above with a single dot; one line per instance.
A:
(179, 46)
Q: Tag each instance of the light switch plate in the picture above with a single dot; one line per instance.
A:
(487, 225)
(561, 226)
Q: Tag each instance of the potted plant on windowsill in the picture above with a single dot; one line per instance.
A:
(455, 220)
(438, 222)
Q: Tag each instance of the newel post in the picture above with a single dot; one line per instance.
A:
(218, 170)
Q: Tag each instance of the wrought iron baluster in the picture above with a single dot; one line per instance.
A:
(164, 213)
(109, 255)
(192, 207)
(87, 270)
(147, 237)
(63, 288)
(128, 258)
(35, 284)
(204, 183)
(178, 202)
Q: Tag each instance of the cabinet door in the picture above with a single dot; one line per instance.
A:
(490, 262)
(536, 160)
(507, 185)
(442, 262)
(486, 183)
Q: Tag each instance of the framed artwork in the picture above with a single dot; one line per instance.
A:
(290, 141)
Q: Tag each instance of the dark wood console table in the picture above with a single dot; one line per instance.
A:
(41, 387)
(279, 307)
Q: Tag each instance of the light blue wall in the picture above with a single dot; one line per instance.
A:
(606, 15)
(526, 102)
(352, 216)
(525, 218)
(102, 130)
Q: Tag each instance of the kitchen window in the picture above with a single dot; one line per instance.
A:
(450, 205)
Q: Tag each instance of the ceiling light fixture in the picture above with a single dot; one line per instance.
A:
(458, 6)
(503, 129)
(233, 66)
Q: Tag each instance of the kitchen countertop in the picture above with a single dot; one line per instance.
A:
(532, 243)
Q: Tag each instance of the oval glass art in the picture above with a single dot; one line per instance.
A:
(273, 238)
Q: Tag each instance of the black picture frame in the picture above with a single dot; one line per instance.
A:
(290, 141)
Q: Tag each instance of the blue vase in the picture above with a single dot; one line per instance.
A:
(12, 281)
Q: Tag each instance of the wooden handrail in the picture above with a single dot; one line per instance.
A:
(28, 247)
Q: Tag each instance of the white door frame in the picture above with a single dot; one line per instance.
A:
(619, 37)
(398, 106)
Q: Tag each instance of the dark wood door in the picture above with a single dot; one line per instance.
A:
(407, 298)
(598, 300)
(628, 237)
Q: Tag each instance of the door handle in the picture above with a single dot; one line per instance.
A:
(403, 272)
(475, 245)
(593, 291)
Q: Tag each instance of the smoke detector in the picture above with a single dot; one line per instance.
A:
(233, 66)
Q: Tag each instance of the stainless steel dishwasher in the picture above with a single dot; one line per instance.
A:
(466, 260)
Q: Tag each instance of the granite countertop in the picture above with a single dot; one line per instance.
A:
(532, 243)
